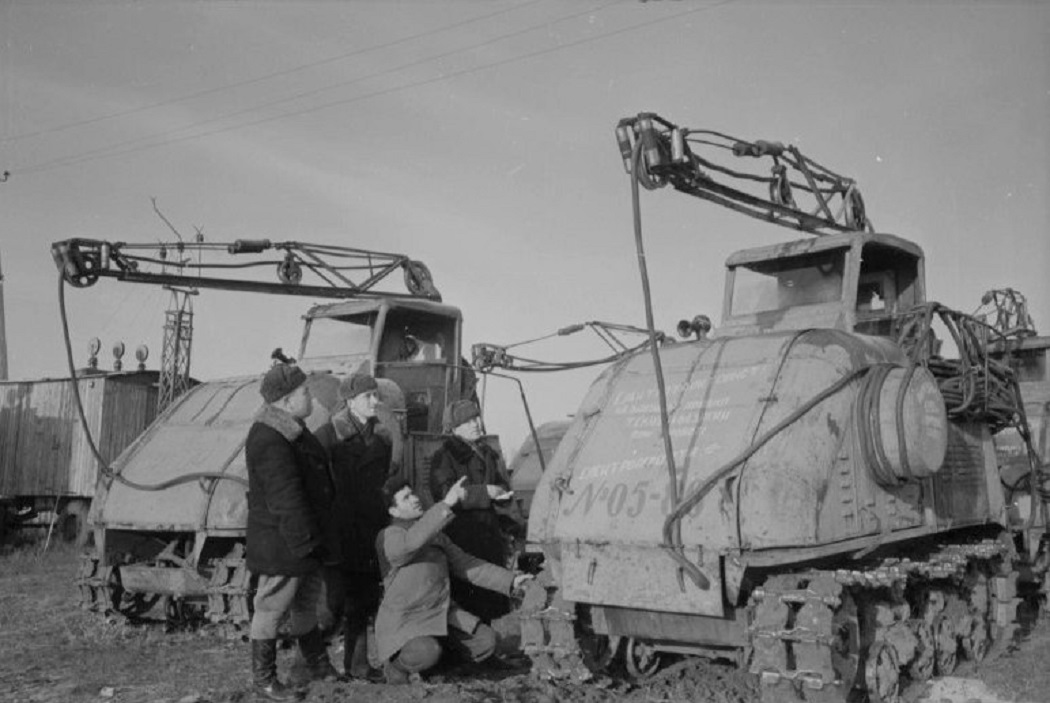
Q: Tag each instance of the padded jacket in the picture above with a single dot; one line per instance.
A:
(416, 560)
(290, 495)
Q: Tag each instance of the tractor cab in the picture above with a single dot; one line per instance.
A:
(414, 343)
(853, 281)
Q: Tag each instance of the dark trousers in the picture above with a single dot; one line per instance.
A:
(348, 594)
(476, 646)
(361, 596)
(487, 605)
(276, 597)
(362, 593)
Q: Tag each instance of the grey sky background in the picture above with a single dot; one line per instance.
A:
(478, 137)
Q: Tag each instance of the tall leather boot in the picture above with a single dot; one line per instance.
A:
(355, 651)
(315, 654)
(265, 684)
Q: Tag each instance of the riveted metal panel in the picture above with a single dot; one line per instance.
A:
(618, 489)
(960, 484)
(204, 431)
(638, 576)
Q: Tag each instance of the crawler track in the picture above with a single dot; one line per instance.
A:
(226, 604)
(549, 633)
(827, 635)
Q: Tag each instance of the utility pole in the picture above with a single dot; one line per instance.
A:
(3, 332)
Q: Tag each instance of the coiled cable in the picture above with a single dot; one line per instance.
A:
(976, 387)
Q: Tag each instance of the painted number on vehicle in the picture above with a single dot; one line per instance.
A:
(621, 499)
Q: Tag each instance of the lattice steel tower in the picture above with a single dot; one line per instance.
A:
(175, 352)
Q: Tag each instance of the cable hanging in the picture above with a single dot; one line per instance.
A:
(265, 77)
(977, 387)
(133, 146)
(104, 466)
(486, 356)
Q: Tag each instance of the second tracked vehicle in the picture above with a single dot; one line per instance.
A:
(169, 514)
(812, 489)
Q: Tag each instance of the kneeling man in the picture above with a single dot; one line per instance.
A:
(417, 616)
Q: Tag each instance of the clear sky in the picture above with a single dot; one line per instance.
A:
(478, 137)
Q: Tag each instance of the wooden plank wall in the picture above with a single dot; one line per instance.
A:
(38, 438)
(43, 449)
(128, 409)
(13, 401)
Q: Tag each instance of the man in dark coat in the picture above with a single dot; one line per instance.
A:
(361, 450)
(417, 613)
(477, 528)
(289, 498)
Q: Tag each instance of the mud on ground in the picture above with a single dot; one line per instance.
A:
(51, 651)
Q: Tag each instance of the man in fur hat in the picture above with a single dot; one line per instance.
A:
(476, 529)
(289, 499)
(361, 453)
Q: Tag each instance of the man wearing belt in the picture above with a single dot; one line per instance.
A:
(289, 498)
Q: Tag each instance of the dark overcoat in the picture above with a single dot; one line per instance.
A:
(360, 465)
(290, 495)
(416, 559)
(477, 527)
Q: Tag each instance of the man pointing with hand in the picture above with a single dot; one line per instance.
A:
(417, 617)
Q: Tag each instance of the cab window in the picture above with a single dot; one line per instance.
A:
(413, 336)
(349, 335)
(886, 287)
(778, 284)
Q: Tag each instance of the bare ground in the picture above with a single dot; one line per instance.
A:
(51, 651)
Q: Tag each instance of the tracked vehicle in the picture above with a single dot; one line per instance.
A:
(812, 490)
(169, 514)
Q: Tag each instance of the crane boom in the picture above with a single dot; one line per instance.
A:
(83, 261)
(670, 155)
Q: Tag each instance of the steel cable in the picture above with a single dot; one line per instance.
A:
(976, 388)
(104, 466)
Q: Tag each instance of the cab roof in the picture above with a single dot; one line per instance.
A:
(366, 305)
(827, 242)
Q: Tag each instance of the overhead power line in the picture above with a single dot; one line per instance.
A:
(169, 136)
(269, 76)
(136, 146)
